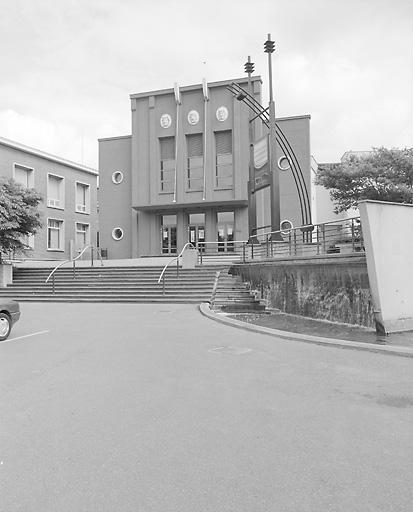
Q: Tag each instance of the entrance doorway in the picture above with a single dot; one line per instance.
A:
(226, 232)
(196, 230)
(168, 234)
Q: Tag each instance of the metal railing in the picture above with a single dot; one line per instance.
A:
(233, 248)
(73, 260)
(340, 236)
(162, 275)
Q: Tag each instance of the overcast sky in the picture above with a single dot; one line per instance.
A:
(68, 66)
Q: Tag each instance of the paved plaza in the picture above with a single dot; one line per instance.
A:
(156, 408)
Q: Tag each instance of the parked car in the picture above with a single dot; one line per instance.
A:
(9, 314)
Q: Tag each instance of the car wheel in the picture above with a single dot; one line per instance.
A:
(5, 326)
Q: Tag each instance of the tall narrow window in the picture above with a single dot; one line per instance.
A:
(24, 176)
(82, 235)
(55, 191)
(195, 161)
(223, 159)
(55, 241)
(82, 198)
(167, 148)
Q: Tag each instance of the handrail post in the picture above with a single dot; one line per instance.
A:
(324, 238)
(74, 269)
(353, 248)
(53, 284)
(243, 252)
(289, 243)
(295, 242)
(318, 239)
(177, 267)
(91, 256)
(267, 246)
(163, 284)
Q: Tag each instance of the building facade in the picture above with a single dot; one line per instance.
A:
(182, 175)
(69, 193)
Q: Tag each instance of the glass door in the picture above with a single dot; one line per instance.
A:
(196, 230)
(225, 233)
(168, 234)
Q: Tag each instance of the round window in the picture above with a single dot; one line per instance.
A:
(117, 234)
(117, 177)
(284, 163)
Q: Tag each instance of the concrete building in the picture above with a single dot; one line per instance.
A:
(69, 206)
(183, 172)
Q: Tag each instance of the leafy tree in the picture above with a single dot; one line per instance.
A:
(19, 215)
(382, 175)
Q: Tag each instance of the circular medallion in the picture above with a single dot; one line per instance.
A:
(193, 117)
(165, 120)
(222, 114)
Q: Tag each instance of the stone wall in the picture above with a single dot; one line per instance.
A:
(334, 288)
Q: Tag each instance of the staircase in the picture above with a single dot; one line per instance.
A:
(231, 295)
(112, 284)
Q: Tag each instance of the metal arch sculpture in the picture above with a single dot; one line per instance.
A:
(302, 191)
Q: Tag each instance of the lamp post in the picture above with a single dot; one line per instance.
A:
(252, 204)
(269, 47)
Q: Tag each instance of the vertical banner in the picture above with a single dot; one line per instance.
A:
(262, 175)
(177, 93)
(206, 98)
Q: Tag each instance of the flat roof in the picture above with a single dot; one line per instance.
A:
(195, 87)
(47, 156)
(116, 137)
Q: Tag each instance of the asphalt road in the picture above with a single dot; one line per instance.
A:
(130, 408)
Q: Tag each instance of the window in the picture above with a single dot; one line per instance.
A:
(82, 197)
(24, 175)
(28, 241)
(117, 177)
(82, 235)
(195, 161)
(55, 235)
(167, 147)
(55, 191)
(117, 234)
(223, 159)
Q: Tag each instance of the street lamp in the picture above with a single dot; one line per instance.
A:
(269, 47)
(252, 204)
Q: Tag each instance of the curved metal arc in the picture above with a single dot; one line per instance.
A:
(74, 259)
(176, 258)
(308, 209)
(302, 191)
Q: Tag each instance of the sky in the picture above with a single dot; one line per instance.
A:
(67, 67)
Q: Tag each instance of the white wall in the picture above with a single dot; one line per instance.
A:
(388, 238)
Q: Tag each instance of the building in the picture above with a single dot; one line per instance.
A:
(183, 172)
(69, 206)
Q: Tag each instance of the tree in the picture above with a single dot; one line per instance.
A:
(382, 175)
(19, 215)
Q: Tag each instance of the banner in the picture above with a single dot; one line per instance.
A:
(262, 177)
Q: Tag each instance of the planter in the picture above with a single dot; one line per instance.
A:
(6, 274)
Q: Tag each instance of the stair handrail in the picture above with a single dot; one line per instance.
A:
(162, 275)
(73, 260)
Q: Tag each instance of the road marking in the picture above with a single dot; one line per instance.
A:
(230, 350)
(24, 336)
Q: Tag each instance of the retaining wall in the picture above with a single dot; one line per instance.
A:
(334, 288)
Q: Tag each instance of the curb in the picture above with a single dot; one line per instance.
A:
(205, 309)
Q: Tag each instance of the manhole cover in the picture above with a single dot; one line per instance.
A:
(237, 351)
(163, 311)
